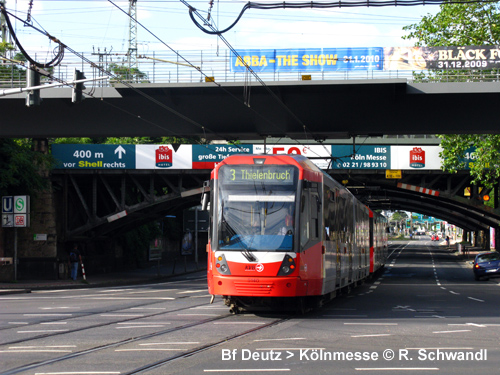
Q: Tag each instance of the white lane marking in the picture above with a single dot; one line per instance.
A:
(43, 314)
(372, 324)
(476, 299)
(122, 315)
(374, 335)
(44, 331)
(284, 339)
(457, 331)
(170, 343)
(248, 370)
(398, 369)
(192, 291)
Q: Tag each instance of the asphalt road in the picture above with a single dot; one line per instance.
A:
(424, 314)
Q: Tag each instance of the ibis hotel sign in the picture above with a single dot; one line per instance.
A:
(16, 211)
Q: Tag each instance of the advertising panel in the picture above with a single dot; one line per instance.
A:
(308, 59)
(369, 58)
(163, 157)
(366, 157)
(415, 157)
(94, 156)
(207, 156)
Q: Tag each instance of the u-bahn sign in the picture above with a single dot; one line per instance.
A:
(16, 211)
(164, 157)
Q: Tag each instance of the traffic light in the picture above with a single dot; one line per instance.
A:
(32, 80)
(77, 94)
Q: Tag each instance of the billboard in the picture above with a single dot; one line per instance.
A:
(366, 59)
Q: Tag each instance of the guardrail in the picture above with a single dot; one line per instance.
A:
(196, 66)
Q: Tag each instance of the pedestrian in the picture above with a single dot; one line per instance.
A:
(74, 258)
(448, 241)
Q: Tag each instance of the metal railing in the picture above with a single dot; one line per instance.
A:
(196, 66)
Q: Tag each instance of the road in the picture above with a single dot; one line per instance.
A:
(423, 314)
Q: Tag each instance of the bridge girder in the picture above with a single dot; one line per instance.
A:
(92, 198)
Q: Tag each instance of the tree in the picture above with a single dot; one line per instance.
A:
(19, 168)
(124, 73)
(462, 25)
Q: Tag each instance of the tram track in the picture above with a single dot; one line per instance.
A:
(155, 364)
(100, 324)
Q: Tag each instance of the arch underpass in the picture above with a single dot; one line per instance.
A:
(442, 197)
(99, 203)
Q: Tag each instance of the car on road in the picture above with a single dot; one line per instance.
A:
(486, 265)
(434, 237)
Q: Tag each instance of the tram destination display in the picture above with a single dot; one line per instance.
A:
(275, 174)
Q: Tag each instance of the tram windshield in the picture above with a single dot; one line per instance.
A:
(256, 215)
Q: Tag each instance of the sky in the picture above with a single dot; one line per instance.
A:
(88, 25)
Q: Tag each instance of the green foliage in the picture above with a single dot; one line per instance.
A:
(20, 166)
(399, 216)
(483, 162)
(462, 25)
(124, 73)
(123, 140)
(473, 24)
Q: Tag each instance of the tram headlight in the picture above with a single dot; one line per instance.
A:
(287, 266)
(221, 265)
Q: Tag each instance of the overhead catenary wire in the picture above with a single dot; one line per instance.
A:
(246, 98)
(63, 46)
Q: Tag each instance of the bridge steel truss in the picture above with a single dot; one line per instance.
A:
(98, 203)
(469, 213)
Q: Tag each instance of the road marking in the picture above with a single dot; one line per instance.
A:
(149, 350)
(375, 335)
(198, 314)
(398, 369)
(170, 343)
(47, 314)
(475, 299)
(122, 315)
(372, 324)
(249, 370)
(44, 331)
(79, 373)
(284, 339)
(469, 324)
(457, 331)
(240, 323)
(144, 326)
(192, 291)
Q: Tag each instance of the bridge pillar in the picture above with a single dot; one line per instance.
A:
(37, 245)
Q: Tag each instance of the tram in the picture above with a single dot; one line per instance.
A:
(285, 235)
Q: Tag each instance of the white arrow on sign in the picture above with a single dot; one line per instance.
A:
(120, 150)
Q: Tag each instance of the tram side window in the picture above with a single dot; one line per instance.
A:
(310, 217)
(304, 219)
(315, 206)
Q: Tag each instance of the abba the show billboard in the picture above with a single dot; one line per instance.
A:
(369, 58)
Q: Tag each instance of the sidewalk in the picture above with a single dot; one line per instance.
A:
(132, 277)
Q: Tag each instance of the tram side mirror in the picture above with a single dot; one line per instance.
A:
(205, 195)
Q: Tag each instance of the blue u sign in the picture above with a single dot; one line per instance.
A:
(8, 205)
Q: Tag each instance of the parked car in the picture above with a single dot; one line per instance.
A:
(434, 237)
(486, 265)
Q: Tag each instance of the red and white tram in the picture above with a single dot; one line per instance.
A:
(284, 234)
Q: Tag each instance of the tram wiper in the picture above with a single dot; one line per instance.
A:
(247, 254)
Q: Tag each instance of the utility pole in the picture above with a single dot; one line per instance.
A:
(132, 39)
(3, 24)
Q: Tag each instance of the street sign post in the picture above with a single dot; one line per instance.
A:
(15, 214)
